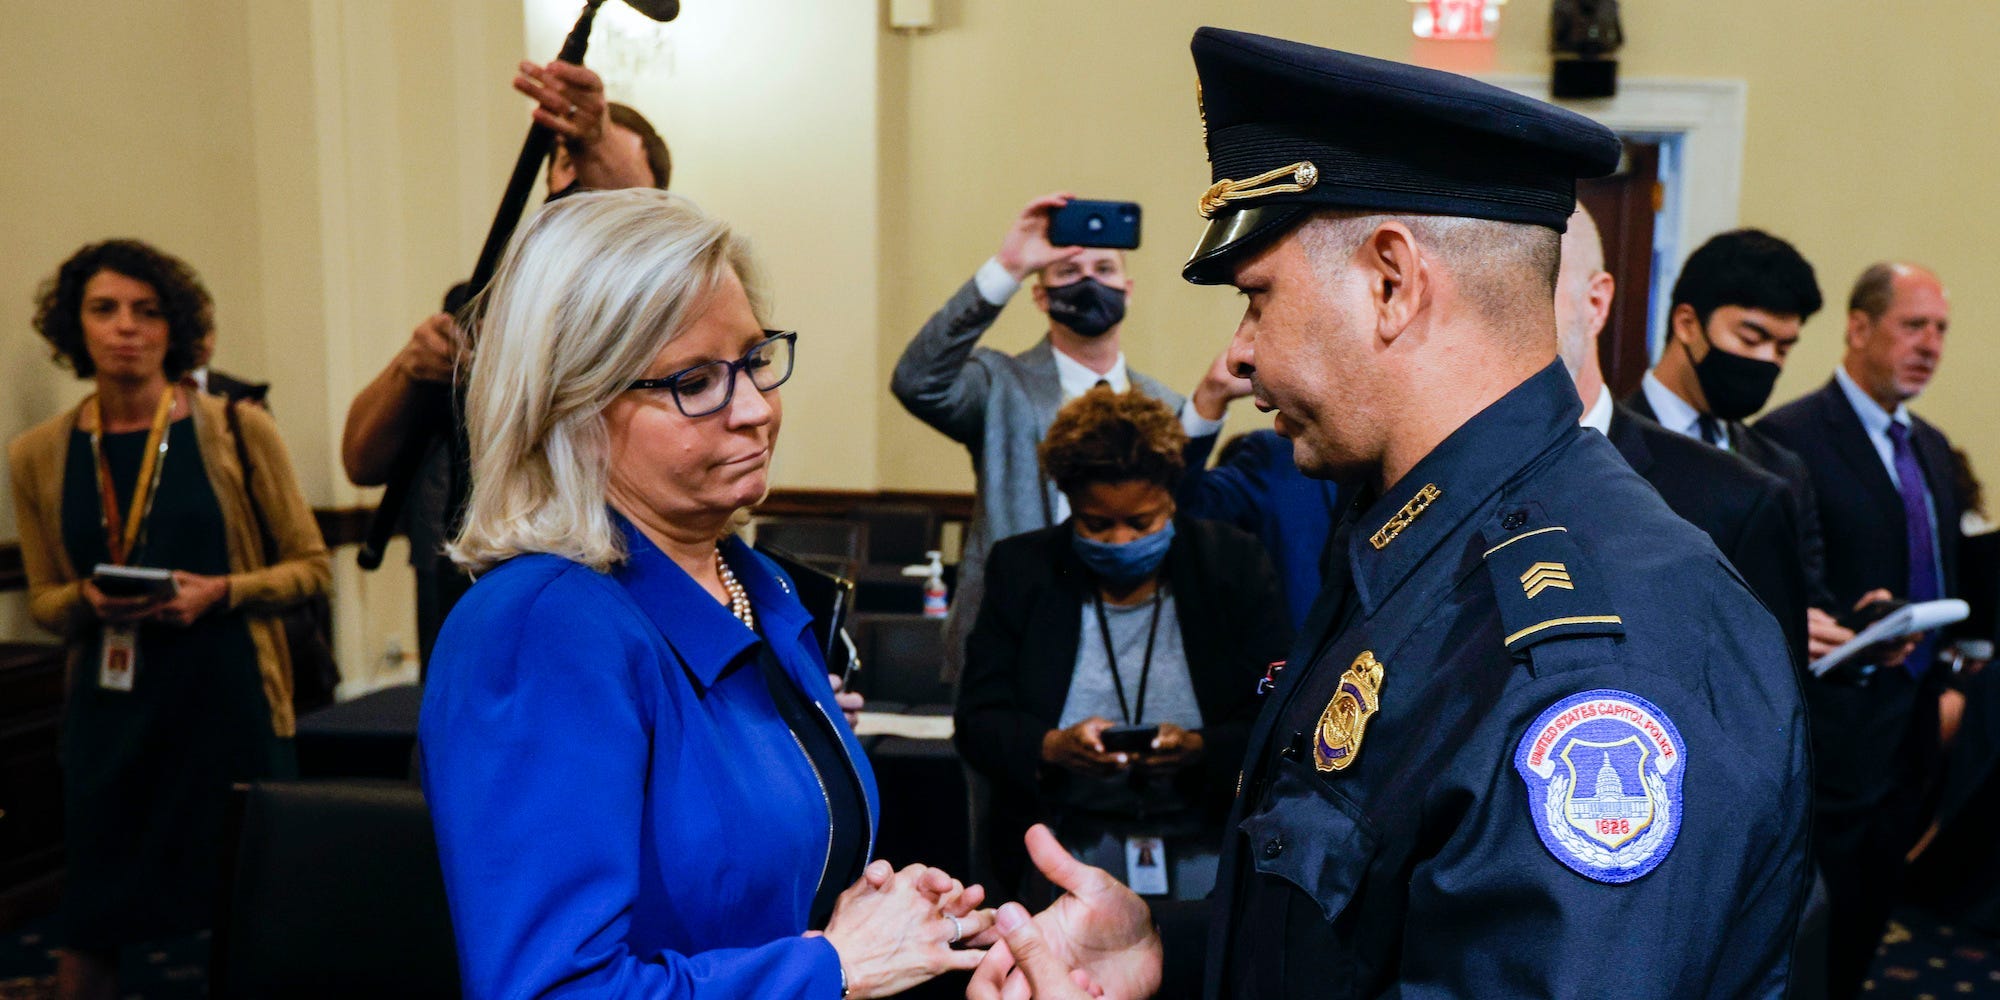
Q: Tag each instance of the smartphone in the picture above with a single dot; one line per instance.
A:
(1084, 223)
(1129, 739)
(134, 581)
(1870, 613)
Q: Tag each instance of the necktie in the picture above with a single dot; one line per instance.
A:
(1711, 430)
(1917, 529)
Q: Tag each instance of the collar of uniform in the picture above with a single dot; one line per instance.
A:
(700, 629)
(1463, 471)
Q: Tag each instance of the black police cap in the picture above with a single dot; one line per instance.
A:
(1294, 128)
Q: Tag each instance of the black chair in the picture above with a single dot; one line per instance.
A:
(902, 660)
(898, 534)
(332, 889)
(846, 541)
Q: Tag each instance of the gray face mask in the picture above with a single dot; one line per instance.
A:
(1087, 306)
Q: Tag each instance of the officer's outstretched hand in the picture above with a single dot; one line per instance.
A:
(1097, 940)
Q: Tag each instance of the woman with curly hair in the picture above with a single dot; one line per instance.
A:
(173, 696)
(1111, 675)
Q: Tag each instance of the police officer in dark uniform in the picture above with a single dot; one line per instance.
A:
(1537, 738)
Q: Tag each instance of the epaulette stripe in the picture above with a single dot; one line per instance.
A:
(1553, 622)
(1516, 538)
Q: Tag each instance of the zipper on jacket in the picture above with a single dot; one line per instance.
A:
(854, 772)
(827, 861)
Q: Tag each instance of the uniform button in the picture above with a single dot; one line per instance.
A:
(1514, 520)
(1274, 847)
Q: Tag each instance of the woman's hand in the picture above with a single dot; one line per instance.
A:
(893, 932)
(193, 597)
(1173, 749)
(850, 702)
(117, 610)
(1080, 748)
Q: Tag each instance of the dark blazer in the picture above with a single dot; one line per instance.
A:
(1021, 656)
(1745, 510)
(1870, 742)
(1258, 488)
(1759, 449)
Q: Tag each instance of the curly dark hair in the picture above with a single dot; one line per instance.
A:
(59, 301)
(1104, 436)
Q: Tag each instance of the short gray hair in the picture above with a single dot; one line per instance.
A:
(1495, 263)
(587, 294)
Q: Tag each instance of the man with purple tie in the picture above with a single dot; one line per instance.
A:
(1890, 517)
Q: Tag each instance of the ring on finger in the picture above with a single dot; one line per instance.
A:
(571, 113)
(957, 929)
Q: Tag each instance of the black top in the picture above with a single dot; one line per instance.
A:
(847, 843)
(146, 772)
(1021, 658)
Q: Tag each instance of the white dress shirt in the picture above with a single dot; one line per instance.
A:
(1676, 414)
(1598, 417)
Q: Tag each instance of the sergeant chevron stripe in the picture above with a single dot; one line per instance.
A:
(1543, 575)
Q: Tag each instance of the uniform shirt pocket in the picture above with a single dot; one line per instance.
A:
(1311, 836)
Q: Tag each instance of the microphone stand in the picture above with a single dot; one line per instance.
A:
(439, 408)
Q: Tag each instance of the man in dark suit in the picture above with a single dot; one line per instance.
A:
(1883, 478)
(1741, 298)
(1745, 510)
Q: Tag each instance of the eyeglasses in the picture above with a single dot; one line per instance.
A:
(708, 387)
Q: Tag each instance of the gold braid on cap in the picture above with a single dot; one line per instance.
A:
(1303, 176)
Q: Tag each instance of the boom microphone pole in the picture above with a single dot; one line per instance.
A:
(436, 415)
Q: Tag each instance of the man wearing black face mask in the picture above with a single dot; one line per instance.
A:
(1738, 305)
(999, 406)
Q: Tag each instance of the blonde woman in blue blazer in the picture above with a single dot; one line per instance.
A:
(638, 774)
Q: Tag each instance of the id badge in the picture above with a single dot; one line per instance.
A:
(119, 659)
(1146, 865)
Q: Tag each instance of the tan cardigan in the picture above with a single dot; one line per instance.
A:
(55, 592)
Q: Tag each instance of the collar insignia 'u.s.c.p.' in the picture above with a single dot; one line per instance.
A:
(1604, 771)
(1405, 517)
(1338, 739)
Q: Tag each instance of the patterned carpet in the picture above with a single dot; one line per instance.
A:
(1923, 959)
(1920, 959)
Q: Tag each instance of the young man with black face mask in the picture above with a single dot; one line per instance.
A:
(1737, 308)
(999, 405)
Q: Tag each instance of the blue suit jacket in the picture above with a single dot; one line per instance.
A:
(619, 808)
(1259, 490)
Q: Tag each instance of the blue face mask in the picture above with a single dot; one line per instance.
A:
(1130, 563)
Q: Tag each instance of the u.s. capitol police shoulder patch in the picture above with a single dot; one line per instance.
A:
(1604, 773)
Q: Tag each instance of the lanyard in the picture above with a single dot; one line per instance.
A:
(1111, 655)
(121, 533)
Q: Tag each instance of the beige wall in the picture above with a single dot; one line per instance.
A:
(325, 164)
(330, 166)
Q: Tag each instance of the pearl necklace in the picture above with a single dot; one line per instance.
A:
(739, 600)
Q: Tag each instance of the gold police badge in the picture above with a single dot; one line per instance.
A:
(1338, 741)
